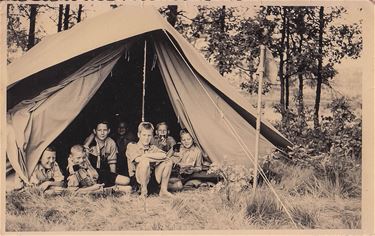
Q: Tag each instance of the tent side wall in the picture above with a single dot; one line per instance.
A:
(202, 68)
(37, 122)
(223, 133)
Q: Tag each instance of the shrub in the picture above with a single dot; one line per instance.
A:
(332, 150)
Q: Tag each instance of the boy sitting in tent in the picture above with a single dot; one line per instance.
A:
(162, 139)
(188, 156)
(81, 173)
(103, 156)
(47, 175)
(142, 156)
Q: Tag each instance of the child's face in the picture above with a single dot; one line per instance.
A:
(101, 131)
(145, 136)
(162, 130)
(48, 159)
(77, 157)
(186, 140)
(121, 130)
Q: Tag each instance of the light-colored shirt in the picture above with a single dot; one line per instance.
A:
(190, 156)
(84, 177)
(42, 174)
(135, 150)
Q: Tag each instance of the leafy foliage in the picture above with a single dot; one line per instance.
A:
(236, 178)
(334, 149)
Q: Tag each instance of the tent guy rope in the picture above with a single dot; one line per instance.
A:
(235, 134)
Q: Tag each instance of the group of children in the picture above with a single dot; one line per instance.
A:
(93, 165)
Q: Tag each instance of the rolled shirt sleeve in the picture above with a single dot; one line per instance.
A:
(35, 176)
(112, 151)
(41, 175)
(132, 152)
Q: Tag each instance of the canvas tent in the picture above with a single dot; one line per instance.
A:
(52, 83)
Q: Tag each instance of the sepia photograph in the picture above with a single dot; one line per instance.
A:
(153, 116)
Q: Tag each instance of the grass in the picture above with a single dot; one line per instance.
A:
(311, 202)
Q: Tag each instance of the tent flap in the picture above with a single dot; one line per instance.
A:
(40, 120)
(218, 128)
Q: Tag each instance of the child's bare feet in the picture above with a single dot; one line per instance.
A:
(165, 194)
(144, 191)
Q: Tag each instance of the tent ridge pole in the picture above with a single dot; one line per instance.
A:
(144, 80)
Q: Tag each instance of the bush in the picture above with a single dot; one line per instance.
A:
(332, 150)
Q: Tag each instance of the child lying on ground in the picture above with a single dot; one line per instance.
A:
(47, 175)
(81, 172)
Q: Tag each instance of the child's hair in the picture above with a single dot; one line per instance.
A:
(122, 122)
(160, 124)
(184, 131)
(146, 126)
(50, 148)
(102, 122)
(77, 148)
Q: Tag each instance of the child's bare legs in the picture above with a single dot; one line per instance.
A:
(162, 174)
(122, 180)
(142, 175)
(122, 183)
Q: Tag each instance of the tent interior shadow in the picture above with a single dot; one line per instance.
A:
(120, 98)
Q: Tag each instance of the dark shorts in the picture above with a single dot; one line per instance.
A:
(107, 178)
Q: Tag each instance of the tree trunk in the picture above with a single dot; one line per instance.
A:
(287, 70)
(300, 108)
(32, 17)
(320, 66)
(172, 14)
(66, 16)
(222, 30)
(79, 13)
(281, 65)
(59, 22)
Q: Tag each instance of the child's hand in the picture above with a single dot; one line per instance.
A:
(163, 142)
(93, 151)
(138, 159)
(86, 149)
(73, 181)
(45, 185)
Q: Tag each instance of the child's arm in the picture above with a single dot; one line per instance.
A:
(156, 156)
(45, 185)
(112, 158)
(199, 161)
(88, 140)
(170, 153)
(73, 181)
(90, 188)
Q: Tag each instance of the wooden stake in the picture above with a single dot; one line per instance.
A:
(259, 112)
